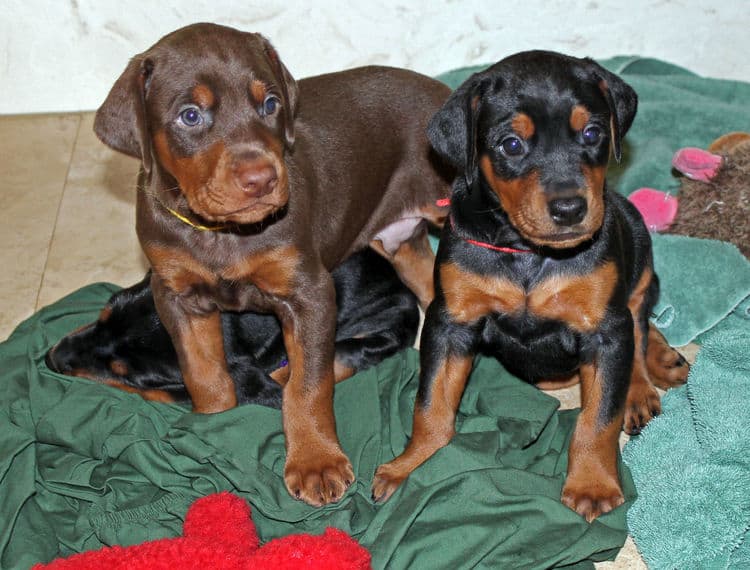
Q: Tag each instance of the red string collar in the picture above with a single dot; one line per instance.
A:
(445, 202)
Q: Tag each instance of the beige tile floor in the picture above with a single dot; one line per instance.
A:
(67, 220)
(66, 213)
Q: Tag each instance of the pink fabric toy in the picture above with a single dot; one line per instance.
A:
(657, 208)
(697, 164)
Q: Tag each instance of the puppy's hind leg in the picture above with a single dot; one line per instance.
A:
(666, 367)
(643, 400)
(406, 245)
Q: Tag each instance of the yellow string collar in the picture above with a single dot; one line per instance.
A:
(196, 226)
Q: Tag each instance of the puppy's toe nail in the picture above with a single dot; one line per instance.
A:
(584, 508)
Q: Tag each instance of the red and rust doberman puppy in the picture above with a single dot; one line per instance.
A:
(252, 188)
(541, 265)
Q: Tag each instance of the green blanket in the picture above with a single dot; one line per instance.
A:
(82, 465)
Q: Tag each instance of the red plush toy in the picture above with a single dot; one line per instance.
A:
(219, 534)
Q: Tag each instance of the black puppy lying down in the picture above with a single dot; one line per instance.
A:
(129, 348)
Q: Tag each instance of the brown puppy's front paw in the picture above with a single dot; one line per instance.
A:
(591, 498)
(318, 478)
(386, 481)
(641, 406)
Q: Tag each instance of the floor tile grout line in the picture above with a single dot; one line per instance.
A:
(73, 148)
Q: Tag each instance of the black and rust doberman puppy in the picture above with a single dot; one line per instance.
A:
(541, 265)
(129, 348)
(252, 188)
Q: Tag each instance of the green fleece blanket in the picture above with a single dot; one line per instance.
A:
(82, 465)
(692, 463)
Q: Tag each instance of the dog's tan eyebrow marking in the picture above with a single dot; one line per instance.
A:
(257, 91)
(203, 96)
(119, 367)
(105, 313)
(579, 117)
(523, 125)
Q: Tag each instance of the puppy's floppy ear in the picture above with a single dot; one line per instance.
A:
(121, 120)
(288, 86)
(622, 101)
(452, 130)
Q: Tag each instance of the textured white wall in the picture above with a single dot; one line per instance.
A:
(64, 55)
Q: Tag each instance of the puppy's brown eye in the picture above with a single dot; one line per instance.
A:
(270, 105)
(591, 135)
(512, 146)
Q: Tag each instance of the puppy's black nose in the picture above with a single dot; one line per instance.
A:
(568, 211)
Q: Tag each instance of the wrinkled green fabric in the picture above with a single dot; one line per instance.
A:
(83, 465)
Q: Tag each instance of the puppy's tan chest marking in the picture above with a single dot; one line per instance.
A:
(578, 300)
(469, 296)
(272, 271)
(179, 270)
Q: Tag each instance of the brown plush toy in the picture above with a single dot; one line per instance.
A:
(714, 199)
